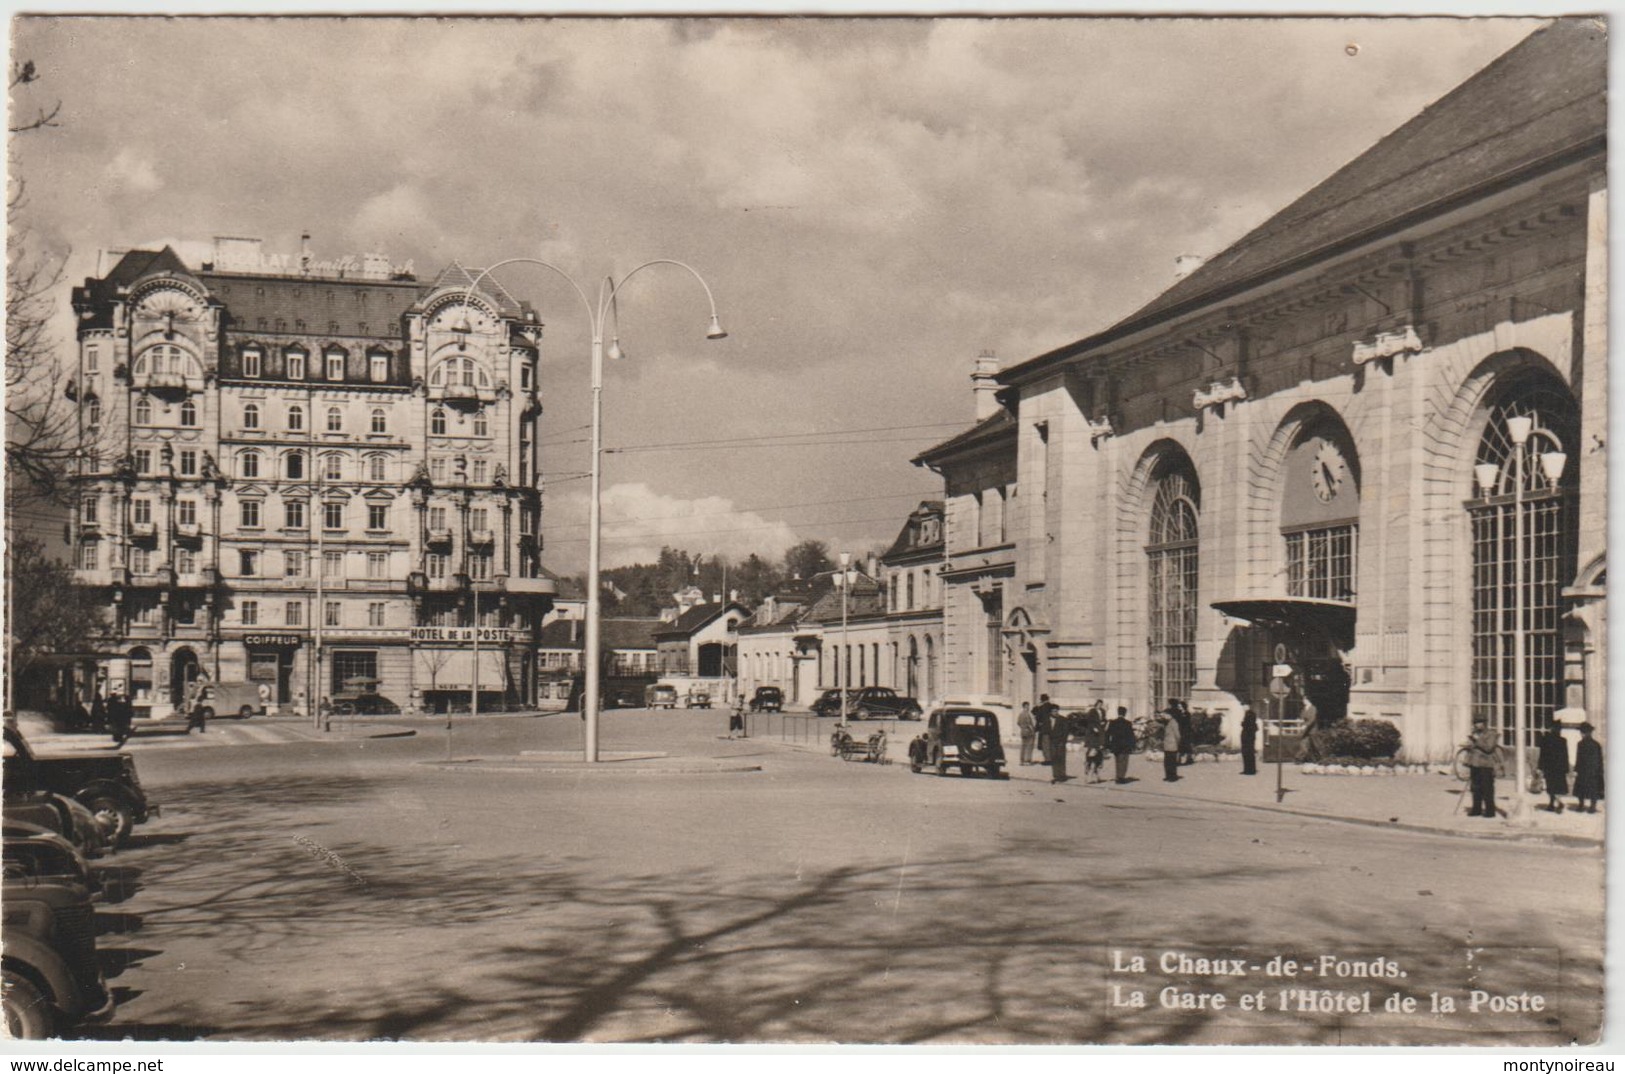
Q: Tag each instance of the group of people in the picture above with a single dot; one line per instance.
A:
(1484, 758)
(1046, 729)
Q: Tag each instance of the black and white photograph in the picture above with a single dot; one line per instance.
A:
(765, 529)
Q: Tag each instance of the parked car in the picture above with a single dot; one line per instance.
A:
(660, 696)
(52, 978)
(962, 737)
(829, 703)
(239, 699)
(882, 701)
(698, 699)
(767, 699)
(31, 850)
(105, 785)
(359, 696)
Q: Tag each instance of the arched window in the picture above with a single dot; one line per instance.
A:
(459, 371)
(93, 411)
(251, 415)
(164, 358)
(482, 424)
(294, 466)
(1547, 500)
(1171, 579)
(188, 413)
(249, 464)
(375, 468)
(143, 411)
(296, 417)
(437, 422)
(335, 420)
(380, 422)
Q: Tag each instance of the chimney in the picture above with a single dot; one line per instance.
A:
(1185, 264)
(984, 386)
(873, 566)
(716, 598)
(304, 253)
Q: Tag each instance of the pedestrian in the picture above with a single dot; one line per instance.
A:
(1554, 767)
(1483, 754)
(120, 717)
(1309, 738)
(1120, 741)
(98, 713)
(1171, 741)
(1029, 732)
(1587, 771)
(1043, 713)
(1060, 730)
(1092, 733)
(195, 709)
(1187, 741)
(736, 722)
(1249, 743)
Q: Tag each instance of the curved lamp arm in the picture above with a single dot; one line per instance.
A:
(606, 300)
(595, 323)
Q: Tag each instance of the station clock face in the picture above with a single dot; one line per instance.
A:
(457, 316)
(1329, 471)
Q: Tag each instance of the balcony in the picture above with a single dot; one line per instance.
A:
(440, 535)
(167, 382)
(189, 530)
(373, 584)
(481, 537)
(143, 531)
(532, 587)
(463, 394)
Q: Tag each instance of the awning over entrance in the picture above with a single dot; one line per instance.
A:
(1333, 618)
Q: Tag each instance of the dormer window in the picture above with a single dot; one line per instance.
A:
(335, 365)
(378, 368)
(251, 362)
(296, 365)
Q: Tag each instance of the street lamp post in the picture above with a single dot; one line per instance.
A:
(608, 289)
(843, 666)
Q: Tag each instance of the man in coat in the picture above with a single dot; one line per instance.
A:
(1043, 713)
(1120, 742)
(1029, 732)
(1187, 741)
(120, 717)
(1060, 729)
(1554, 767)
(1587, 771)
(1249, 743)
(1483, 754)
(1171, 741)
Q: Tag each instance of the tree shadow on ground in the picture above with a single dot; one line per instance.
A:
(1006, 945)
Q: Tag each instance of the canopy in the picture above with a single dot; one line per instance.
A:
(453, 669)
(1333, 618)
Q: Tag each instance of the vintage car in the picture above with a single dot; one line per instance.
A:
(105, 785)
(239, 699)
(53, 979)
(767, 699)
(660, 696)
(698, 699)
(959, 736)
(359, 696)
(882, 702)
(829, 703)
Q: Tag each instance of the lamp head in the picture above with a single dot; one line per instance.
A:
(1519, 428)
(1551, 464)
(1487, 474)
(846, 560)
(615, 353)
(715, 331)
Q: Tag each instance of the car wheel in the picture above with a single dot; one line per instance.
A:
(113, 814)
(861, 714)
(28, 1012)
(243, 713)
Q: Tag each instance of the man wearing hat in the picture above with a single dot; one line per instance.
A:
(1587, 770)
(1483, 753)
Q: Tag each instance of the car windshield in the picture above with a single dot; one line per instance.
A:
(969, 719)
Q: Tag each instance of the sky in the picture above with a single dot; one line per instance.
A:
(872, 202)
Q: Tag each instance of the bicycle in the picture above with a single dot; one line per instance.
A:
(1537, 782)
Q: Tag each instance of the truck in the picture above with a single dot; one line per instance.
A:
(239, 699)
(106, 785)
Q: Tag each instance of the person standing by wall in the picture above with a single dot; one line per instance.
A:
(1120, 742)
(1171, 739)
(1587, 771)
(1249, 743)
(1029, 732)
(1483, 753)
(1187, 741)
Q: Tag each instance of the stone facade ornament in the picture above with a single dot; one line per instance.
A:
(1218, 393)
(1387, 344)
(1099, 429)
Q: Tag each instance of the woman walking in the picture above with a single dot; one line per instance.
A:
(1554, 767)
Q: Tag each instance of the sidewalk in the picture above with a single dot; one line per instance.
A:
(1429, 801)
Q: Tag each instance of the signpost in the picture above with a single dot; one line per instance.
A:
(1279, 690)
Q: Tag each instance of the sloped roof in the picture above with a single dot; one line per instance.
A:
(620, 633)
(904, 543)
(987, 431)
(96, 295)
(696, 618)
(1541, 104)
(456, 276)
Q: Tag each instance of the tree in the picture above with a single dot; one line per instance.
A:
(42, 428)
(808, 558)
(48, 612)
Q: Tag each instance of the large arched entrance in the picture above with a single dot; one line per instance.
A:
(1172, 572)
(184, 670)
(1525, 543)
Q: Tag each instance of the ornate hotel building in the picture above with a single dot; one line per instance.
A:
(306, 475)
(1366, 442)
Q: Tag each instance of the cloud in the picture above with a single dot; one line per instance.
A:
(638, 521)
(129, 172)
